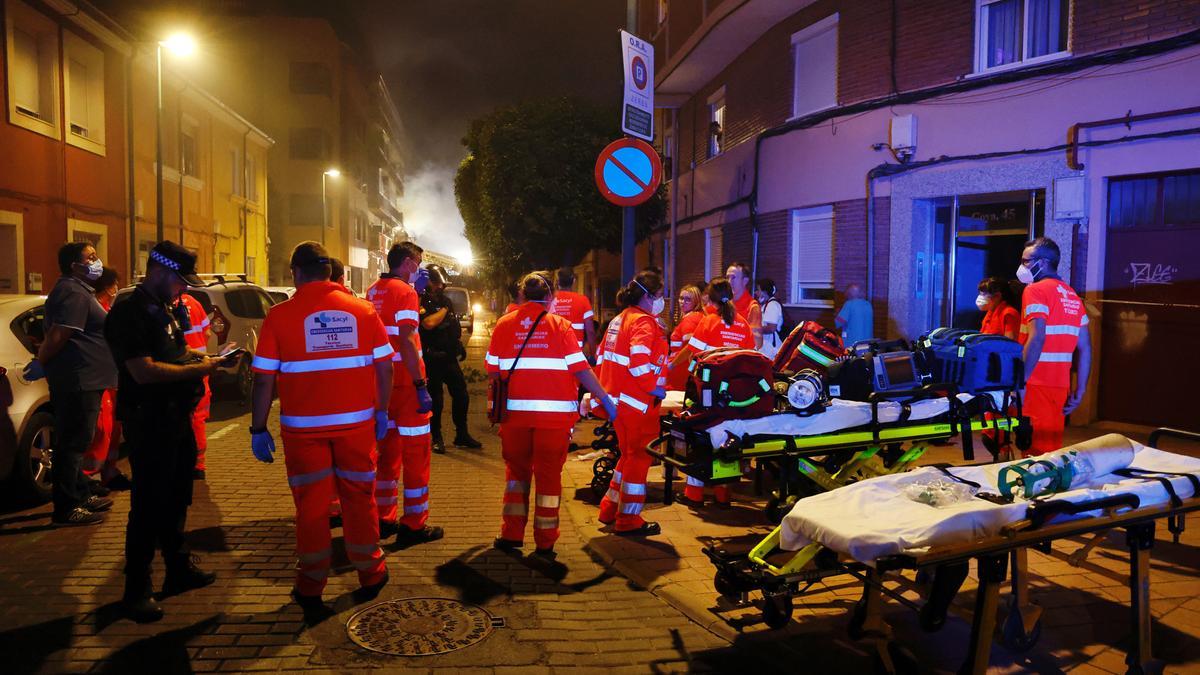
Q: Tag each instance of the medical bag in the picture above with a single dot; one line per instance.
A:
(877, 367)
(809, 345)
(729, 383)
(972, 361)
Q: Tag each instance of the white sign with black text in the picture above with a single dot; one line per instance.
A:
(637, 109)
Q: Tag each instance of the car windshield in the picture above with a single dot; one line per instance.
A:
(458, 297)
(247, 303)
(203, 299)
(278, 296)
(28, 328)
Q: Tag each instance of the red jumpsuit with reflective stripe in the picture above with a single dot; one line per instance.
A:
(677, 377)
(576, 309)
(405, 453)
(104, 451)
(634, 365)
(322, 345)
(197, 339)
(1048, 382)
(542, 406)
(712, 333)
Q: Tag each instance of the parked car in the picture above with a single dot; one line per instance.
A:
(280, 293)
(461, 299)
(236, 309)
(27, 425)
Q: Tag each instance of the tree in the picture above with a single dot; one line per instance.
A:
(526, 189)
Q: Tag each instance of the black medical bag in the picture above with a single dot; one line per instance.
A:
(973, 361)
(877, 367)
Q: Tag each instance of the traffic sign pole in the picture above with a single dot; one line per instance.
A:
(628, 243)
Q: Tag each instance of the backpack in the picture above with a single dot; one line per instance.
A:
(729, 383)
(973, 361)
(809, 345)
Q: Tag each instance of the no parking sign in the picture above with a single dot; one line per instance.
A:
(628, 171)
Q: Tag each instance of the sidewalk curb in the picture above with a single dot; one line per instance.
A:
(683, 601)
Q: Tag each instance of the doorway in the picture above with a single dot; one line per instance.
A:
(12, 260)
(975, 237)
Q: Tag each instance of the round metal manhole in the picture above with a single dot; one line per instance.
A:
(420, 626)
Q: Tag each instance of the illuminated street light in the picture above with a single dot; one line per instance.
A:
(180, 44)
(333, 173)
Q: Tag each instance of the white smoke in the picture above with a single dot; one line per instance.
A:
(430, 212)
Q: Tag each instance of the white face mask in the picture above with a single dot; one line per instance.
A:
(94, 270)
(658, 306)
(981, 301)
(1024, 274)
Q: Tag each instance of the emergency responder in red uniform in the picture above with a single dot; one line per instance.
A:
(724, 327)
(405, 453)
(738, 275)
(330, 355)
(999, 315)
(196, 335)
(691, 311)
(541, 406)
(575, 308)
(1053, 327)
(100, 459)
(633, 371)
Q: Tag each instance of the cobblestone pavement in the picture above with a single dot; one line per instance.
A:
(616, 606)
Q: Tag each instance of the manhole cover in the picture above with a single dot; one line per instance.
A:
(420, 626)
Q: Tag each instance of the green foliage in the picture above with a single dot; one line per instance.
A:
(526, 190)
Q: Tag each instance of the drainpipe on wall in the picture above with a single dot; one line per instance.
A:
(131, 177)
(245, 208)
(674, 256)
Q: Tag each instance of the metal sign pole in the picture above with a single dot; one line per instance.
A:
(629, 213)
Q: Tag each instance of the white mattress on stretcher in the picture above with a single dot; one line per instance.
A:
(850, 519)
(839, 416)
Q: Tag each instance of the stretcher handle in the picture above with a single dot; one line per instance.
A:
(1040, 511)
(1171, 433)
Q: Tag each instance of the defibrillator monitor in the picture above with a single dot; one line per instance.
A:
(896, 371)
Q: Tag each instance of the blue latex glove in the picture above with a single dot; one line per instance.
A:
(263, 446)
(33, 371)
(610, 407)
(422, 280)
(381, 424)
(424, 400)
(659, 393)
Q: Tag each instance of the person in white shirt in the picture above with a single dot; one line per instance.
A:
(772, 317)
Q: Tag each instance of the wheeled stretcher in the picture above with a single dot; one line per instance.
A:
(841, 532)
(850, 441)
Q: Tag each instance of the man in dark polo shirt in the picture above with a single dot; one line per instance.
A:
(160, 385)
(78, 368)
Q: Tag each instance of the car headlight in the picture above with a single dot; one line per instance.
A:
(805, 390)
(477, 308)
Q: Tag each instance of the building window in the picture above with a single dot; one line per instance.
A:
(812, 257)
(668, 151)
(714, 267)
(85, 93)
(1009, 33)
(250, 268)
(187, 153)
(95, 234)
(33, 69)
(1154, 202)
(308, 143)
(309, 78)
(235, 173)
(716, 123)
(814, 64)
(251, 178)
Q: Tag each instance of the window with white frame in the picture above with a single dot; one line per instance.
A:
(235, 172)
(812, 257)
(814, 67)
(1010, 33)
(713, 239)
(716, 123)
(84, 76)
(33, 69)
(187, 151)
(251, 178)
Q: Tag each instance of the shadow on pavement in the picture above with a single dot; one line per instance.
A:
(26, 648)
(164, 653)
(481, 574)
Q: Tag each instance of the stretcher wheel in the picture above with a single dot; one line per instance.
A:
(726, 585)
(778, 508)
(777, 610)
(1013, 636)
(602, 473)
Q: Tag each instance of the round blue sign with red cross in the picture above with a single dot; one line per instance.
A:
(639, 71)
(628, 171)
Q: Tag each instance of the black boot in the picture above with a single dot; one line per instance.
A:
(464, 440)
(183, 575)
(137, 604)
(438, 446)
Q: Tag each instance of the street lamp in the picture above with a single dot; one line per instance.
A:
(179, 44)
(329, 173)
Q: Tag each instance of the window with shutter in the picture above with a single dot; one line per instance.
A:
(812, 257)
(814, 61)
(713, 265)
(32, 69)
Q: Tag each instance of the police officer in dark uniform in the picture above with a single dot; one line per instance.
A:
(160, 381)
(441, 336)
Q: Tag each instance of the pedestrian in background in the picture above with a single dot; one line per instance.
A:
(1054, 326)
(856, 320)
(405, 452)
(195, 331)
(441, 340)
(160, 383)
(634, 372)
(100, 460)
(1000, 316)
(331, 357)
(337, 274)
(691, 311)
(78, 367)
(738, 276)
(538, 354)
(772, 318)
